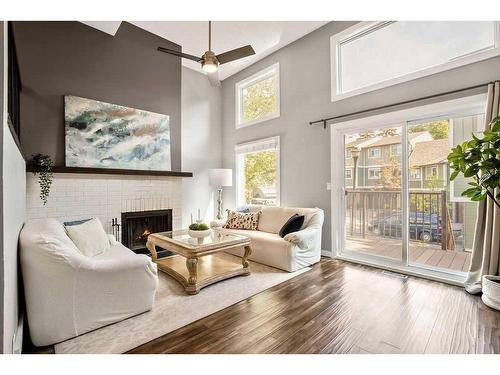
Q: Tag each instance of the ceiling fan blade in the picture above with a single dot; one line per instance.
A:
(213, 78)
(235, 54)
(179, 54)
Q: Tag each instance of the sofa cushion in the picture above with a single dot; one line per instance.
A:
(89, 237)
(267, 248)
(237, 220)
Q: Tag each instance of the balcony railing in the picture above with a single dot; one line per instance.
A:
(379, 212)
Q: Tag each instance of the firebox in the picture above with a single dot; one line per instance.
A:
(136, 227)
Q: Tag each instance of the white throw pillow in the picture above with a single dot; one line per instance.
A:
(89, 237)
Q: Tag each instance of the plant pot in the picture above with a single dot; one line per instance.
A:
(491, 291)
(199, 233)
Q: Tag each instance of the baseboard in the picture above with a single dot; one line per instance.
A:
(326, 253)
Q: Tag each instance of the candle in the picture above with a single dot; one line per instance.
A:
(199, 217)
(191, 218)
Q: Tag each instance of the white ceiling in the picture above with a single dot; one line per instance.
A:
(264, 36)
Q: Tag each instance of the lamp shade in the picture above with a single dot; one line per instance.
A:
(220, 177)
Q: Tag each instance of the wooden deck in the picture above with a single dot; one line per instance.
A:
(421, 253)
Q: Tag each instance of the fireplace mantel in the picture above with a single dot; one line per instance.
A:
(116, 171)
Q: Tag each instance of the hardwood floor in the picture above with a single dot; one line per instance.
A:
(340, 307)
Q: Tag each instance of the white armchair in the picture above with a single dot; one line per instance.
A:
(68, 294)
(290, 253)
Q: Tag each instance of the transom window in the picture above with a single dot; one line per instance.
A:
(258, 172)
(374, 152)
(374, 173)
(258, 97)
(373, 55)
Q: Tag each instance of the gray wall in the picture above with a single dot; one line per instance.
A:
(305, 96)
(60, 58)
(201, 143)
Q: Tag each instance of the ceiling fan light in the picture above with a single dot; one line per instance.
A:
(209, 66)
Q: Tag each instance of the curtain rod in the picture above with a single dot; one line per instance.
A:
(325, 120)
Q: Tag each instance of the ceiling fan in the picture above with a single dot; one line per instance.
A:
(209, 60)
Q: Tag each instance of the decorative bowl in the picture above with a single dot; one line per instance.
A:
(199, 233)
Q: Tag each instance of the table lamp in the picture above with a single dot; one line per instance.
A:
(220, 178)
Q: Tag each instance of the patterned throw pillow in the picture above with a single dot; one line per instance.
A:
(237, 220)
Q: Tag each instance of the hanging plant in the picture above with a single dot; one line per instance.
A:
(42, 166)
(479, 159)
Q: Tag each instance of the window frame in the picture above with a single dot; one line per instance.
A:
(242, 149)
(396, 146)
(362, 28)
(254, 78)
(419, 169)
(350, 173)
(379, 173)
(374, 148)
(431, 168)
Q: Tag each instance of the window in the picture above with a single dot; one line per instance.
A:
(373, 173)
(415, 173)
(431, 172)
(396, 150)
(348, 153)
(374, 152)
(258, 97)
(348, 173)
(258, 172)
(373, 55)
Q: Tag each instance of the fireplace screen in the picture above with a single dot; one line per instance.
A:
(136, 227)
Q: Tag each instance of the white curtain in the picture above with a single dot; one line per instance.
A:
(486, 246)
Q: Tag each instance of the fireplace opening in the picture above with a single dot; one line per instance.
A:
(137, 226)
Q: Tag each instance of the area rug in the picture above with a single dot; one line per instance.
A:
(173, 309)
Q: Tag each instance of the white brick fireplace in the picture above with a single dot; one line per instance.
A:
(80, 196)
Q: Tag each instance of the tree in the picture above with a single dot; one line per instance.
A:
(259, 99)
(391, 174)
(437, 129)
(260, 171)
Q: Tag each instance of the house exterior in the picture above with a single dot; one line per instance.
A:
(380, 157)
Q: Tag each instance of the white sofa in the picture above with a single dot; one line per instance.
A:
(293, 252)
(68, 294)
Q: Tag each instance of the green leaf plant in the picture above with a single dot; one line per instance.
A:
(42, 166)
(479, 160)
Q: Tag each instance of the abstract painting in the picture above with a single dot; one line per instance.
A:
(103, 135)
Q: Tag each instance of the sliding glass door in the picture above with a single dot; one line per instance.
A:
(373, 215)
(394, 204)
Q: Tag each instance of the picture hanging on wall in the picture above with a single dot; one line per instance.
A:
(104, 135)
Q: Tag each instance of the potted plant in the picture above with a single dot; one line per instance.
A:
(479, 159)
(199, 230)
(42, 166)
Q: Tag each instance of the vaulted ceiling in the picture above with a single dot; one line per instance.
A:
(265, 37)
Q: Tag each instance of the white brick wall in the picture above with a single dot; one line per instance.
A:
(78, 196)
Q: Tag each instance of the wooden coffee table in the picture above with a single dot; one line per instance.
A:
(198, 262)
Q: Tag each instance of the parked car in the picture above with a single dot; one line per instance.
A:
(422, 226)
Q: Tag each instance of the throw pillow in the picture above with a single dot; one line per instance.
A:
(89, 237)
(292, 225)
(75, 222)
(237, 220)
